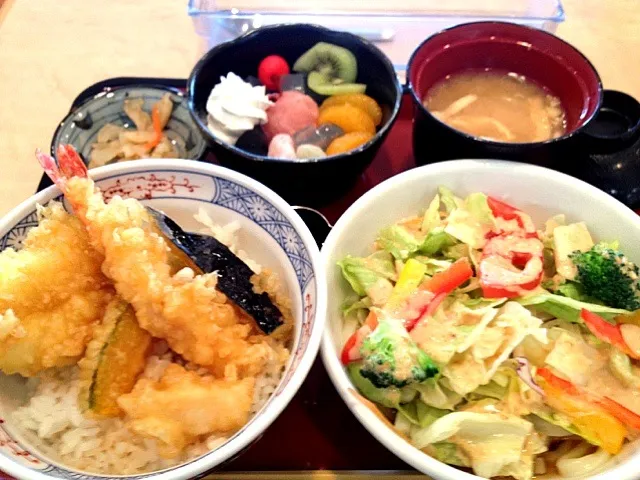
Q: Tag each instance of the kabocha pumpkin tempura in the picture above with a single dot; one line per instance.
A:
(150, 345)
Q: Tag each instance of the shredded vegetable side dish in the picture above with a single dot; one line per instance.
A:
(494, 344)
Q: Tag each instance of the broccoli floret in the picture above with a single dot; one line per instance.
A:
(607, 275)
(392, 358)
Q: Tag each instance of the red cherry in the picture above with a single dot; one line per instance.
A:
(271, 69)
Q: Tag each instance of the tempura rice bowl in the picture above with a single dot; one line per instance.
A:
(262, 230)
(538, 191)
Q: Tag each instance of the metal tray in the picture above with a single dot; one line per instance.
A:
(329, 443)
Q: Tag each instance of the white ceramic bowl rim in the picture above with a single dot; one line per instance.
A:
(258, 424)
(335, 369)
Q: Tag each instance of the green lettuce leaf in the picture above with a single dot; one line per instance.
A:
(457, 251)
(363, 273)
(575, 291)
(482, 303)
(435, 242)
(403, 244)
(613, 245)
(420, 414)
(623, 369)
(564, 422)
(403, 424)
(476, 204)
(387, 397)
(431, 217)
(498, 440)
(353, 306)
(448, 453)
(448, 199)
(471, 221)
(491, 390)
(566, 308)
(433, 265)
(398, 241)
(436, 395)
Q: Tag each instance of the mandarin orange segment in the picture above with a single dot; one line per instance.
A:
(360, 100)
(348, 118)
(348, 142)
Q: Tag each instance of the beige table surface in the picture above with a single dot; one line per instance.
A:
(50, 50)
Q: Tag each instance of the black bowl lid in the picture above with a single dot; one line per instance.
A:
(616, 124)
(612, 146)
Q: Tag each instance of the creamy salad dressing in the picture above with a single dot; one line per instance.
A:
(523, 375)
(602, 382)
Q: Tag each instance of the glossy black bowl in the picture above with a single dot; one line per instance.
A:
(507, 47)
(312, 182)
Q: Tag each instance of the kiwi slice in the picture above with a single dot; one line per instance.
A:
(329, 67)
(323, 85)
(331, 60)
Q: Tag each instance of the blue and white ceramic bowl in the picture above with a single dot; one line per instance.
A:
(81, 126)
(271, 233)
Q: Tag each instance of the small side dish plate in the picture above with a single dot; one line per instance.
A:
(81, 126)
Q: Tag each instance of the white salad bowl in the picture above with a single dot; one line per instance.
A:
(537, 191)
(271, 233)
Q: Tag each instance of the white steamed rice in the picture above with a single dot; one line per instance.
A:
(52, 419)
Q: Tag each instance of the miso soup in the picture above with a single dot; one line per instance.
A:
(499, 106)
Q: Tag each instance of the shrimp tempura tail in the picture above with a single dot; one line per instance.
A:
(70, 175)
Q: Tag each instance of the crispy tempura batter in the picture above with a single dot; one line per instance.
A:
(52, 293)
(183, 406)
(197, 321)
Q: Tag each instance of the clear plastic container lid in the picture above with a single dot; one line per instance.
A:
(396, 27)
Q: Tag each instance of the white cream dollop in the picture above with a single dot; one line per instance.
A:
(234, 107)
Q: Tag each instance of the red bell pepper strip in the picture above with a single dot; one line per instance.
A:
(623, 414)
(503, 210)
(559, 383)
(346, 357)
(351, 349)
(441, 285)
(606, 332)
(157, 128)
(448, 280)
(429, 311)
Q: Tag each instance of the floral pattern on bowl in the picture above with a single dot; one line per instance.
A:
(81, 126)
(272, 234)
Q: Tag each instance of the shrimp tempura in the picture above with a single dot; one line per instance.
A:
(197, 320)
(52, 293)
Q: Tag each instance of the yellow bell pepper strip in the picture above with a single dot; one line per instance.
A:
(607, 332)
(410, 281)
(626, 416)
(157, 128)
(590, 419)
(605, 405)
